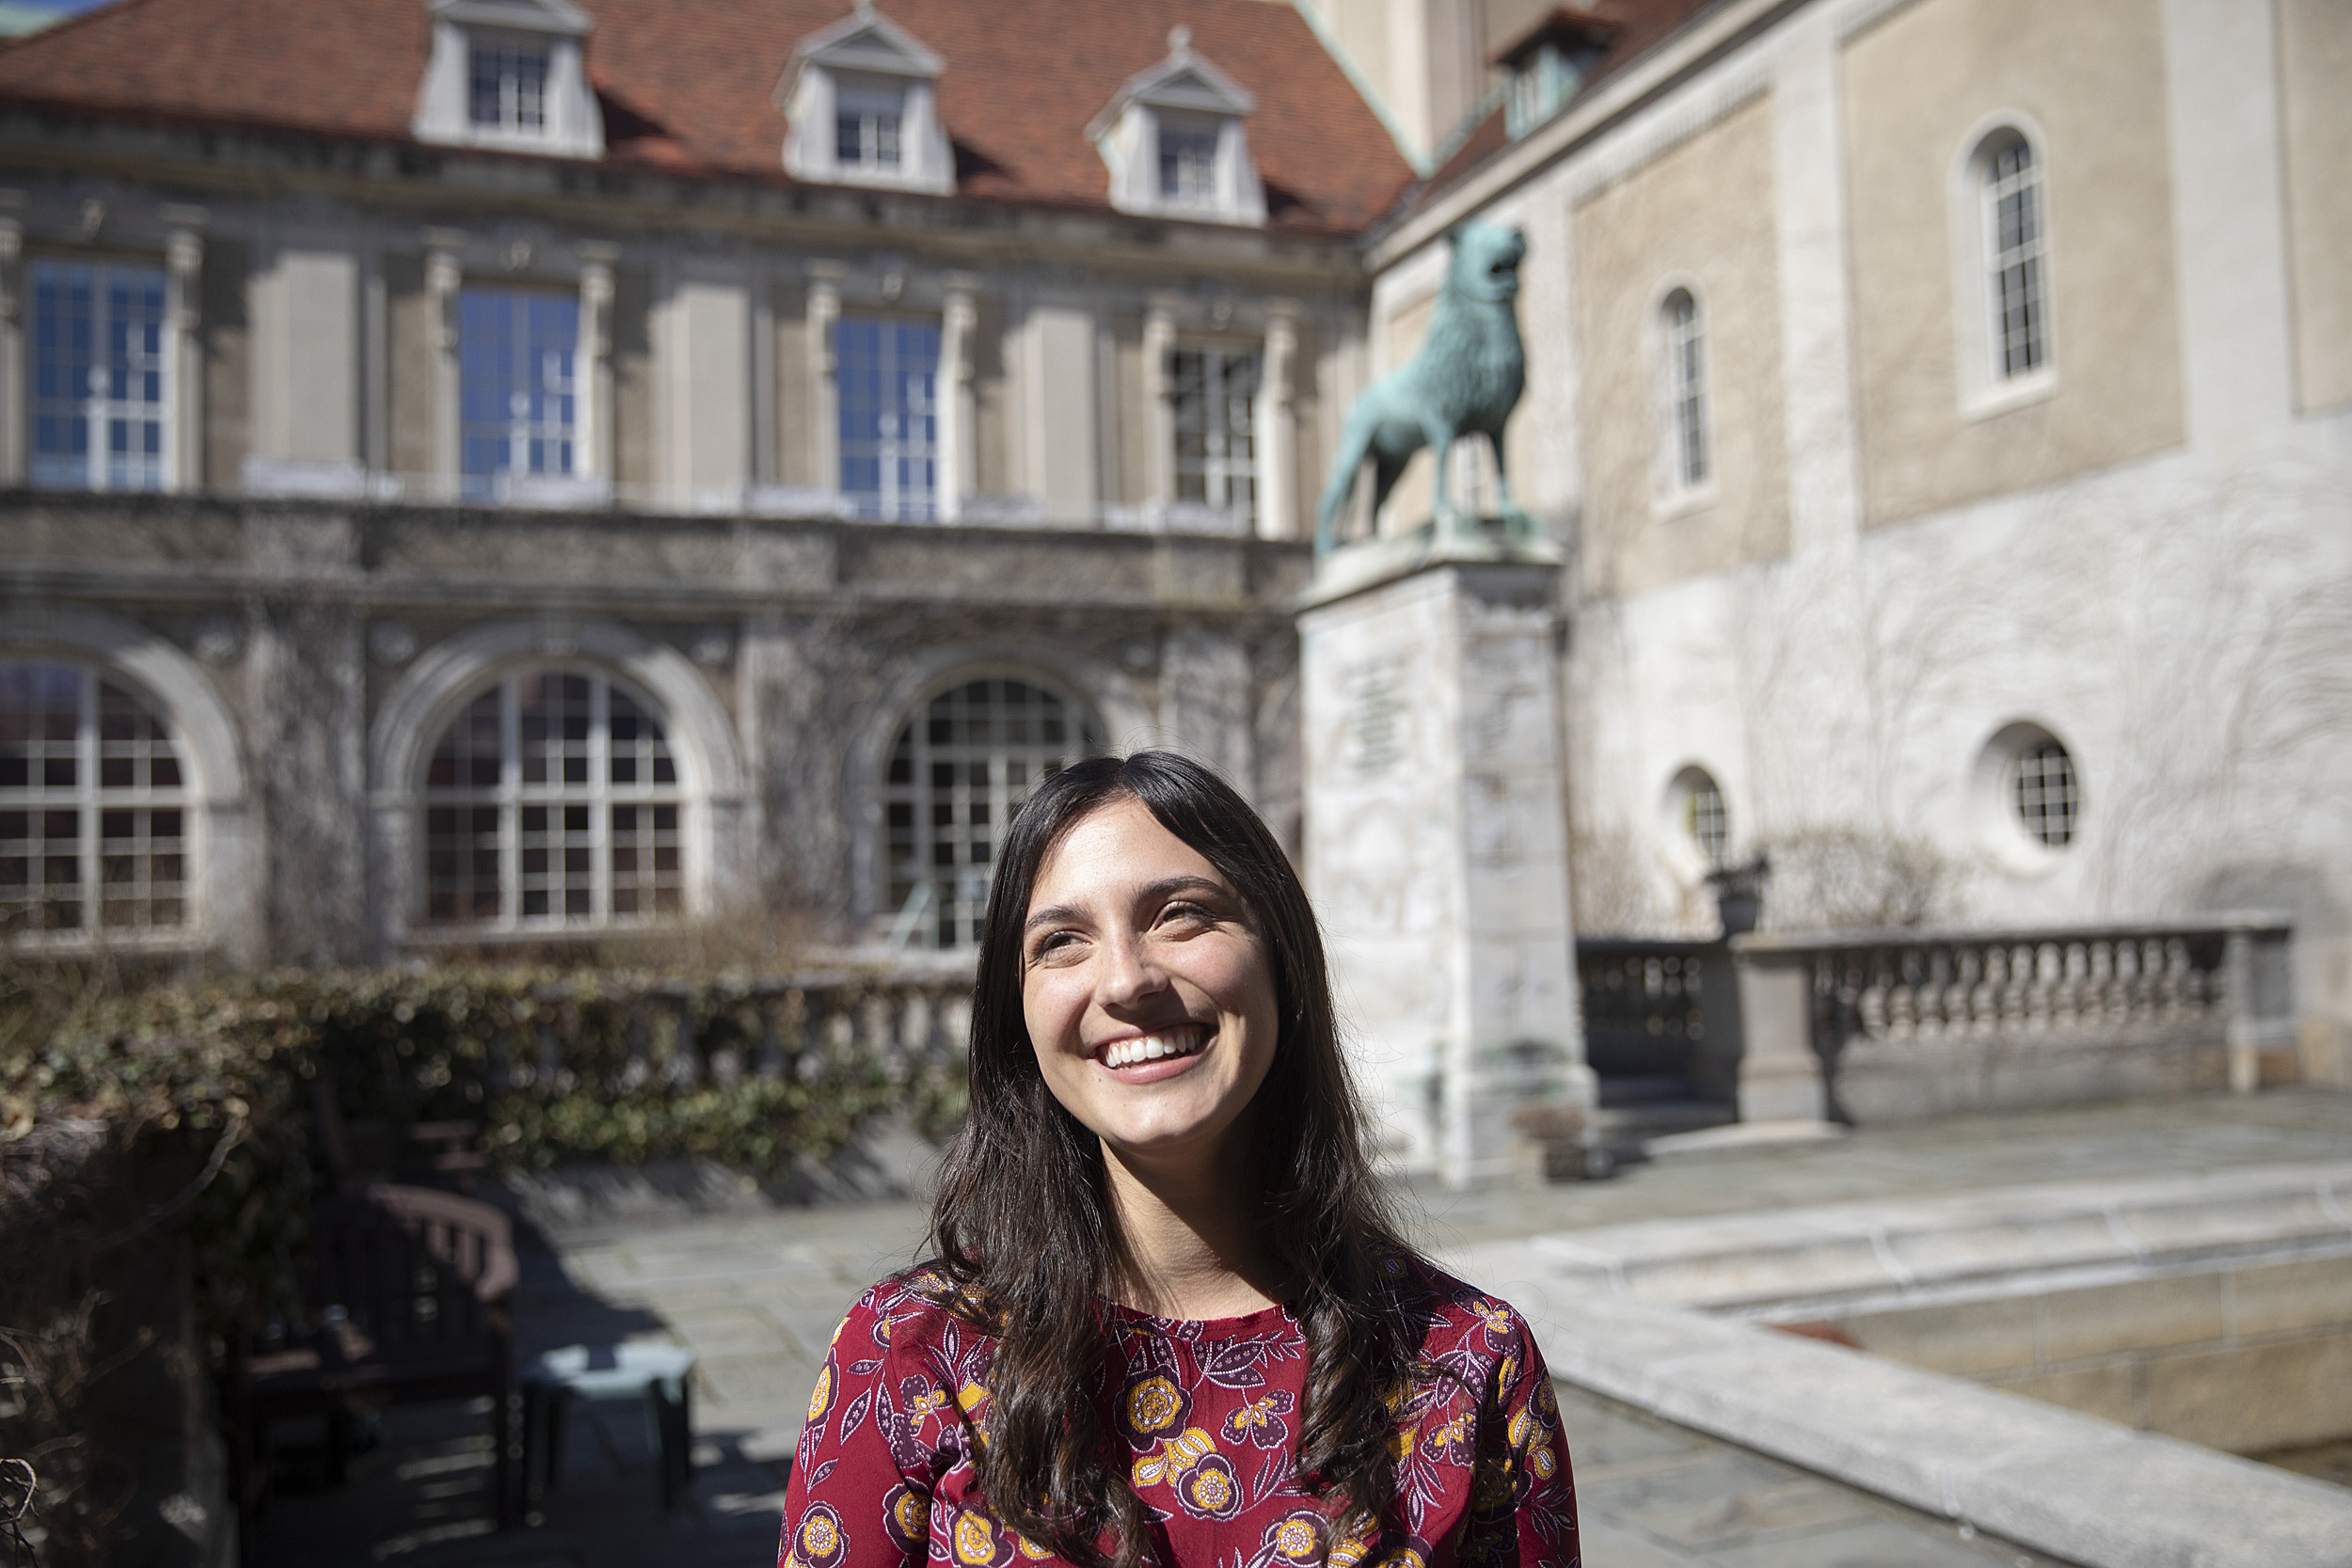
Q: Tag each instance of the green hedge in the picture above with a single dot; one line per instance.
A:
(553, 1066)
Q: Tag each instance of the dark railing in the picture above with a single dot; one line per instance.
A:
(1642, 1012)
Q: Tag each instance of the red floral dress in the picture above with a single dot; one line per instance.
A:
(884, 1478)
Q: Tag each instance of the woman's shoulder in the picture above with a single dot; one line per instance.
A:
(1462, 1318)
(915, 1309)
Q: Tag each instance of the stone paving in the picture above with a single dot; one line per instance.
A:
(755, 1291)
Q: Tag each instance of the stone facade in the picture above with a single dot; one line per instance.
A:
(312, 653)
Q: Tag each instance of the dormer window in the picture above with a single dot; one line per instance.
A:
(510, 74)
(510, 88)
(1174, 141)
(1548, 65)
(1187, 160)
(867, 118)
(862, 110)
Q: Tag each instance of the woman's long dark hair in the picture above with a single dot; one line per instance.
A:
(1023, 1221)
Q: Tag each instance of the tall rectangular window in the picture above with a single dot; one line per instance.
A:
(517, 401)
(867, 119)
(1214, 393)
(2013, 241)
(510, 88)
(1686, 387)
(98, 402)
(887, 372)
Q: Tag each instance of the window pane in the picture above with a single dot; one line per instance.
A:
(1213, 394)
(540, 758)
(89, 804)
(97, 413)
(887, 374)
(517, 405)
(942, 833)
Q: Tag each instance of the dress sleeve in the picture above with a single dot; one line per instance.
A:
(1523, 1500)
(861, 1488)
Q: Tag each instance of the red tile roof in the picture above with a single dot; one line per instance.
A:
(691, 87)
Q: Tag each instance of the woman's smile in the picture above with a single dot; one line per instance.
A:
(1132, 1057)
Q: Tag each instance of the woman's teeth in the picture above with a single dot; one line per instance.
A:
(1150, 1048)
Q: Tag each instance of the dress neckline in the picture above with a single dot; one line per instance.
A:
(1264, 1318)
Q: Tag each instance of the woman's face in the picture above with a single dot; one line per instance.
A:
(1148, 992)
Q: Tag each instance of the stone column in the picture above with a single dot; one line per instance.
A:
(444, 275)
(183, 346)
(1159, 458)
(824, 405)
(1436, 843)
(593, 372)
(959, 414)
(1277, 427)
(12, 382)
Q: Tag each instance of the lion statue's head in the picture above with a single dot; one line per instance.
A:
(1486, 264)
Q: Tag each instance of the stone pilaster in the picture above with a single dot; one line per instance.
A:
(1277, 427)
(959, 411)
(592, 374)
(444, 277)
(184, 345)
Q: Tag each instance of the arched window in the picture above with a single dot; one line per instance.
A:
(2010, 180)
(1683, 334)
(957, 774)
(552, 802)
(93, 806)
(1700, 813)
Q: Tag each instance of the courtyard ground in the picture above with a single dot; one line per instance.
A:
(755, 1290)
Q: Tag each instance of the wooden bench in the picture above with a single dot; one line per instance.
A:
(404, 1300)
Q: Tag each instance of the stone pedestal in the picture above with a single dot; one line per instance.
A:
(1780, 1074)
(1437, 839)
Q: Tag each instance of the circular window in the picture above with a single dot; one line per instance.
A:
(2027, 797)
(1699, 818)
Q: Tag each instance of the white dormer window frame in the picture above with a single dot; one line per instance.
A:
(510, 76)
(863, 110)
(1175, 140)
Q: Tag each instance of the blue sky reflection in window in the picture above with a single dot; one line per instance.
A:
(887, 371)
(518, 405)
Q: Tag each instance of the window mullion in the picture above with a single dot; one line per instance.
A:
(510, 803)
(599, 809)
(86, 749)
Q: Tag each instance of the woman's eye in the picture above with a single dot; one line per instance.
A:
(1186, 914)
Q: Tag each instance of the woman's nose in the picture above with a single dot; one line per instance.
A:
(1129, 973)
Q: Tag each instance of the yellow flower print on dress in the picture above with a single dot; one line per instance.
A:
(1210, 1489)
(907, 1512)
(1175, 1456)
(819, 1400)
(1152, 1406)
(819, 1541)
(976, 1540)
(1030, 1549)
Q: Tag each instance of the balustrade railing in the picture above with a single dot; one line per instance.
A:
(1915, 1022)
(679, 1038)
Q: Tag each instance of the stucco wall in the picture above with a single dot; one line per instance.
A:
(2315, 89)
(1921, 88)
(1700, 218)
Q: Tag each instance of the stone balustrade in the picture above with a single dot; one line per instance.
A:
(1872, 1025)
(803, 1026)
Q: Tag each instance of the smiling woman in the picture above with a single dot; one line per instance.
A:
(1169, 1318)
